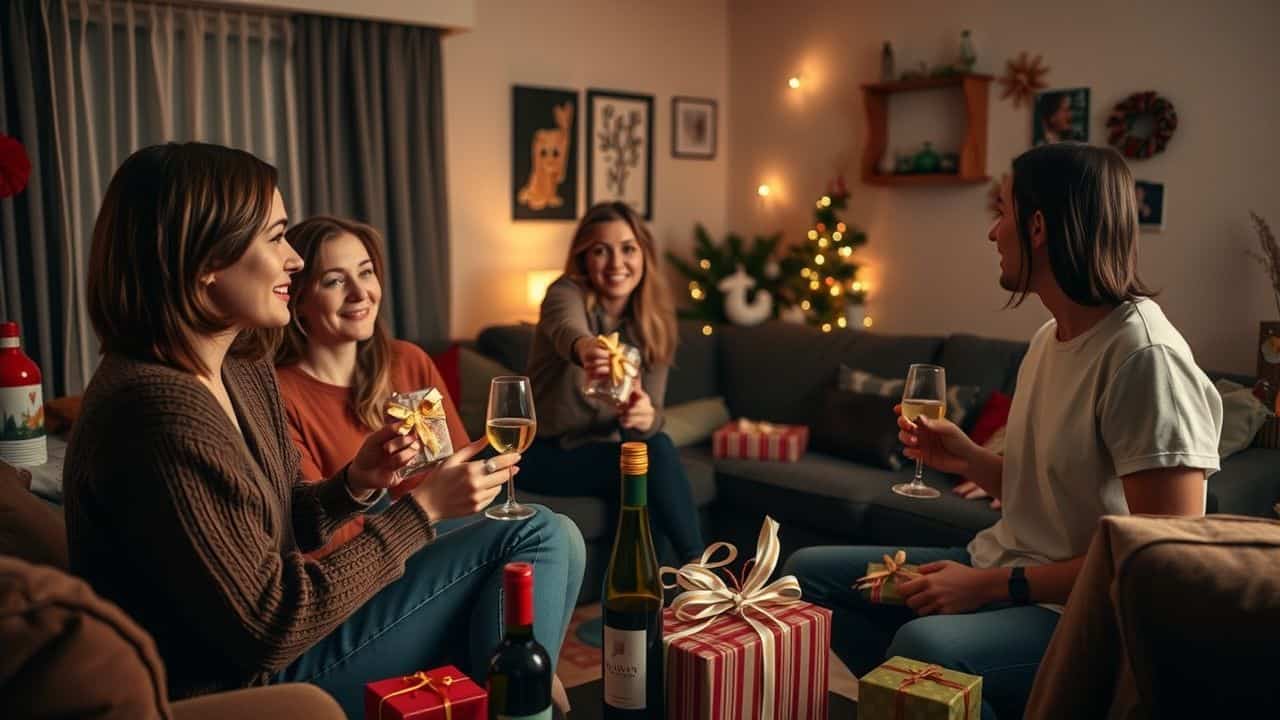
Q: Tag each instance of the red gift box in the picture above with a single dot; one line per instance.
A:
(441, 694)
(747, 440)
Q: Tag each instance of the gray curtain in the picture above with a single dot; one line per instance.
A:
(35, 269)
(371, 124)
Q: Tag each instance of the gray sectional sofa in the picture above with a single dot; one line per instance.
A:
(773, 372)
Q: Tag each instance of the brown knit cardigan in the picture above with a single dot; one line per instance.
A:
(197, 531)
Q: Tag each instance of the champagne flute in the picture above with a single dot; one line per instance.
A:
(510, 426)
(924, 394)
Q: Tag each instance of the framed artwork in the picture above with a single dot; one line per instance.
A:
(1150, 205)
(693, 128)
(620, 151)
(1061, 115)
(544, 153)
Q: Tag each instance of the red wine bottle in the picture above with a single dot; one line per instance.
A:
(520, 669)
(632, 653)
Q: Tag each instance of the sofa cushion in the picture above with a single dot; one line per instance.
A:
(770, 371)
(1243, 415)
(508, 344)
(69, 653)
(692, 423)
(855, 426)
(694, 374)
(961, 400)
(474, 373)
(946, 521)
(1247, 484)
(989, 363)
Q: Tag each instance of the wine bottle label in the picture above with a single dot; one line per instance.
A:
(22, 440)
(624, 668)
(541, 715)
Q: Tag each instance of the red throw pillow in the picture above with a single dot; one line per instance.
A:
(994, 415)
(447, 363)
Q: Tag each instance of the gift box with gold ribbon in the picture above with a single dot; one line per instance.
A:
(905, 689)
(441, 694)
(880, 584)
(750, 440)
(748, 649)
(421, 412)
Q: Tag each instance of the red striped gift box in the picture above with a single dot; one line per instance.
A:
(717, 674)
(747, 440)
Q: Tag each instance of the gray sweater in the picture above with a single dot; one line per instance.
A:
(558, 378)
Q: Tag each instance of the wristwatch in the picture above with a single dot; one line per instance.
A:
(1019, 588)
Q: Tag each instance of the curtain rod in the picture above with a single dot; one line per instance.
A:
(210, 11)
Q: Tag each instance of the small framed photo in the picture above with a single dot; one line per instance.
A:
(693, 128)
(620, 149)
(1150, 205)
(1061, 116)
(544, 153)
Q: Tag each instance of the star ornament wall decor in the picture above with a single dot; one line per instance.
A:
(1023, 79)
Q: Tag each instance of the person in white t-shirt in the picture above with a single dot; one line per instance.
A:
(1111, 416)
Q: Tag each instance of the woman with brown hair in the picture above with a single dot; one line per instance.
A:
(611, 283)
(185, 504)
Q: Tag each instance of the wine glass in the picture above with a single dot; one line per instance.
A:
(510, 426)
(924, 394)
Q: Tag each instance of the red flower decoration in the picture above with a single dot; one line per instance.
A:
(15, 168)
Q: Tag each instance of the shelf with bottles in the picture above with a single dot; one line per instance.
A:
(972, 165)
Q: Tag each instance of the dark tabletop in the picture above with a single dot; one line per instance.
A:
(587, 703)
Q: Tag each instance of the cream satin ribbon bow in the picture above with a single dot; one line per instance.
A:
(761, 427)
(416, 419)
(892, 569)
(707, 598)
(619, 365)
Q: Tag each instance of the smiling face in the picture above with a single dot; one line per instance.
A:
(342, 303)
(614, 261)
(253, 292)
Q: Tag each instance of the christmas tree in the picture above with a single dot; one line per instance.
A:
(713, 263)
(819, 275)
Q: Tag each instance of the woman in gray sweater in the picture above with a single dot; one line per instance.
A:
(607, 288)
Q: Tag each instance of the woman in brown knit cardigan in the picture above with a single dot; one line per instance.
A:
(184, 503)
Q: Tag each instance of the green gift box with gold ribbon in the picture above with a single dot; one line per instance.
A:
(880, 584)
(906, 689)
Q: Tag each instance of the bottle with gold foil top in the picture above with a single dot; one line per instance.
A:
(631, 662)
(22, 438)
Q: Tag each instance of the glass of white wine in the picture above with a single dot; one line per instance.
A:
(924, 394)
(510, 427)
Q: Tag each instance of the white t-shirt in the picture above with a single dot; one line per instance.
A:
(1125, 396)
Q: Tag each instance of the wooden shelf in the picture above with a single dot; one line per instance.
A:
(973, 153)
(925, 179)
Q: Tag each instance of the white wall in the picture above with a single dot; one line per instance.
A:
(657, 47)
(931, 268)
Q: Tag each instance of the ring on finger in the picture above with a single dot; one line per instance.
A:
(488, 466)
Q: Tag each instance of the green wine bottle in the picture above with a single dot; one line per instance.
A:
(632, 654)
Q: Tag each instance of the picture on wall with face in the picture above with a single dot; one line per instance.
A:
(620, 152)
(1150, 197)
(1061, 116)
(544, 154)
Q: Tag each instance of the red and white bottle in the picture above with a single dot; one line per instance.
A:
(22, 439)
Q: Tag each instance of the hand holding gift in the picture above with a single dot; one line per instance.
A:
(421, 414)
(882, 582)
(612, 367)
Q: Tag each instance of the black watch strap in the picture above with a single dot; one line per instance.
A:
(1019, 588)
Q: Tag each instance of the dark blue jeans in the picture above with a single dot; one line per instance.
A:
(447, 608)
(592, 470)
(1002, 643)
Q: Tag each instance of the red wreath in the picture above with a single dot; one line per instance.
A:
(15, 168)
(1127, 112)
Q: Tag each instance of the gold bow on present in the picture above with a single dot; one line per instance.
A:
(707, 598)
(757, 427)
(417, 419)
(619, 365)
(424, 680)
(892, 569)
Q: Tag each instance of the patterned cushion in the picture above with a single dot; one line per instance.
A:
(961, 399)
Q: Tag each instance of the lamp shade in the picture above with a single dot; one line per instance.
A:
(537, 282)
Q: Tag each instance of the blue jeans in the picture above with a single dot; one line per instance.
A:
(447, 607)
(1002, 643)
(592, 470)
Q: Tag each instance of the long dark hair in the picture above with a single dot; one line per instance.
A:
(372, 382)
(1087, 197)
(172, 214)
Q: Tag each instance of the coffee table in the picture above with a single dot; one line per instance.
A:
(587, 702)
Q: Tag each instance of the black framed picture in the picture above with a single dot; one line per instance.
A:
(1061, 115)
(693, 128)
(544, 153)
(620, 151)
(1150, 205)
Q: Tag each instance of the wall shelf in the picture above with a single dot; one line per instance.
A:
(973, 153)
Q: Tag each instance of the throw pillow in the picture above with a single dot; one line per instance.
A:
(474, 373)
(693, 422)
(961, 399)
(993, 417)
(1243, 415)
(856, 426)
(447, 363)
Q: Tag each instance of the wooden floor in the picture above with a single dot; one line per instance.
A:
(580, 663)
